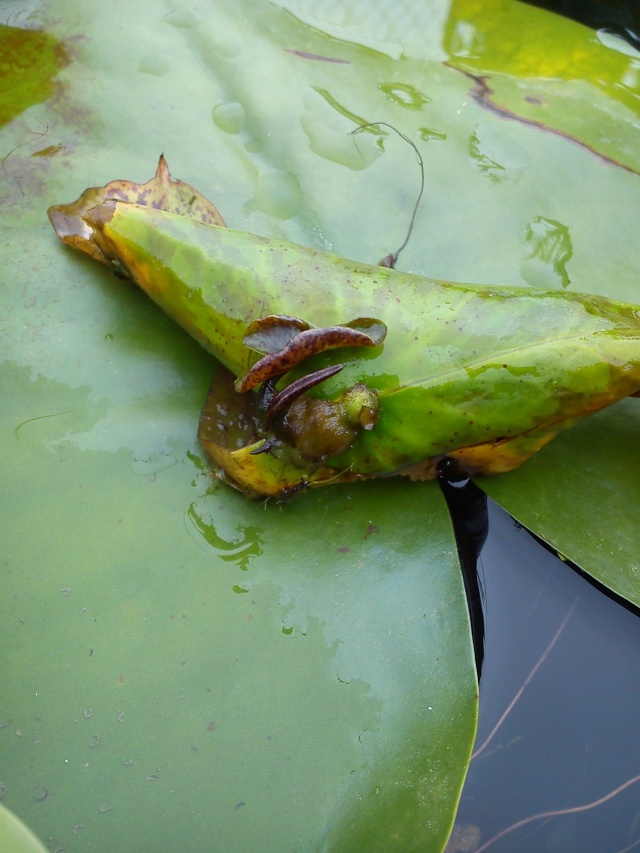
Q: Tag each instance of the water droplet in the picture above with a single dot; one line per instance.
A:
(429, 135)
(229, 117)
(156, 66)
(550, 250)
(405, 95)
(153, 464)
(478, 150)
(237, 549)
(253, 145)
(277, 194)
(181, 18)
(340, 146)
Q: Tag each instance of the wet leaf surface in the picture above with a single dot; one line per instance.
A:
(552, 74)
(30, 60)
(207, 650)
(14, 836)
(144, 603)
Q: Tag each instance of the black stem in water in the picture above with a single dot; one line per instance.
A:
(467, 506)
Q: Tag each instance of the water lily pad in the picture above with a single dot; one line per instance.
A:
(291, 677)
(15, 837)
(580, 496)
(175, 645)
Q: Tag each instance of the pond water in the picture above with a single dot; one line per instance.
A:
(572, 736)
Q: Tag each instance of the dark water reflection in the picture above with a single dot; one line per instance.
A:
(573, 735)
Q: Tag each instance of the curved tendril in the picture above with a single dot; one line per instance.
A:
(283, 399)
(391, 259)
(558, 812)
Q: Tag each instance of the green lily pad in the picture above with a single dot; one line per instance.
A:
(483, 218)
(304, 667)
(175, 645)
(183, 665)
(551, 73)
(15, 837)
(581, 496)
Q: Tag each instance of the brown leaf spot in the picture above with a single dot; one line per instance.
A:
(304, 54)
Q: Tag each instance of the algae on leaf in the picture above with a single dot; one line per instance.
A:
(30, 60)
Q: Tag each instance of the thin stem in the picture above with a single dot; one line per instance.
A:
(511, 704)
(630, 847)
(410, 142)
(557, 813)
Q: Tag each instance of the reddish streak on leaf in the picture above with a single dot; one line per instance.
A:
(304, 54)
(483, 94)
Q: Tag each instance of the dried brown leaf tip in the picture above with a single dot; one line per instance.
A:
(72, 222)
(287, 341)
